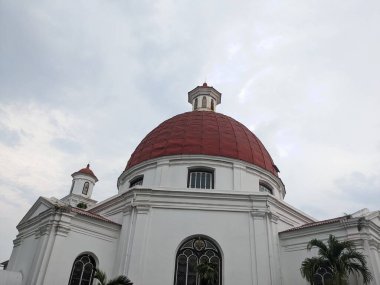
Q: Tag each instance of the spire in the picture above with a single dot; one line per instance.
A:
(204, 98)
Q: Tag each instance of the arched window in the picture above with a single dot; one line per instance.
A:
(85, 188)
(196, 103)
(136, 181)
(212, 105)
(83, 270)
(194, 251)
(265, 188)
(204, 102)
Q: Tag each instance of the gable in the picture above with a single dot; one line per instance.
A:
(41, 205)
(41, 208)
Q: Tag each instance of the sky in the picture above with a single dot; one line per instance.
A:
(84, 81)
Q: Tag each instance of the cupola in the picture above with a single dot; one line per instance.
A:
(204, 98)
(81, 188)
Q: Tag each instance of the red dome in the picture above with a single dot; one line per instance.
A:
(207, 133)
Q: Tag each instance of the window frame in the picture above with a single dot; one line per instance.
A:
(201, 170)
(269, 189)
(135, 181)
(210, 250)
(85, 188)
(92, 261)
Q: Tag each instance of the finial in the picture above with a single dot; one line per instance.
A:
(205, 84)
(88, 165)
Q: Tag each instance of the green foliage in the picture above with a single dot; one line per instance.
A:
(208, 273)
(119, 280)
(82, 205)
(337, 259)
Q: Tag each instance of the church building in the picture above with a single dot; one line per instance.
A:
(200, 187)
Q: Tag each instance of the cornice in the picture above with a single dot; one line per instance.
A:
(145, 199)
(263, 214)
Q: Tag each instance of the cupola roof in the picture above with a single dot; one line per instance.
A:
(86, 171)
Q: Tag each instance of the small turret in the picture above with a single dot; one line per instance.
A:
(81, 188)
(204, 98)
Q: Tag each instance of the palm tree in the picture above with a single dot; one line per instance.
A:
(120, 280)
(336, 261)
(208, 273)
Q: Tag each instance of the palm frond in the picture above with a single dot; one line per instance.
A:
(310, 266)
(339, 257)
(322, 248)
(120, 280)
(100, 276)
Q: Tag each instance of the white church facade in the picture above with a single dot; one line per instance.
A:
(199, 187)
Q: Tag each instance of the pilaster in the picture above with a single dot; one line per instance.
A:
(266, 247)
(136, 246)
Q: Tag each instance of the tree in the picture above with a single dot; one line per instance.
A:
(208, 273)
(119, 280)
(82, 205)
(336, 261)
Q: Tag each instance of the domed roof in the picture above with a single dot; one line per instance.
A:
(202, 132)
(86, 171)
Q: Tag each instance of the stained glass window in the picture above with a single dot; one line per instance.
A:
(192, 252)
(83, 270)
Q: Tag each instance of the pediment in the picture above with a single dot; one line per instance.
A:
(374, 217)
(40, 206)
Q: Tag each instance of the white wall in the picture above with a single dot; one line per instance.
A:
(100, 240)
(10, 277)
(48, 244)
(155, 221)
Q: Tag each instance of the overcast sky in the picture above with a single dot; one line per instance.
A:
(85, 81)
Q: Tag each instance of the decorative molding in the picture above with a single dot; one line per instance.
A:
(63, 229)
(142, 208)
(374, 244)
(18, 240)
(43, 230)
(127, 210)
(257, 213)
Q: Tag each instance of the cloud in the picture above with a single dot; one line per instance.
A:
(66, 145)
(360, 189)
(86, 81)
(9, 137)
